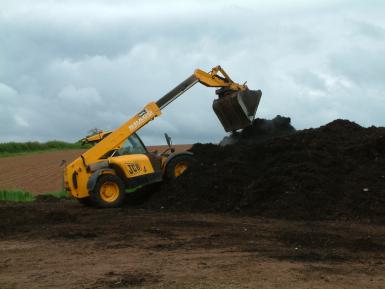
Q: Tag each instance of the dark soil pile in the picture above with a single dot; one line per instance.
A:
(336, 171)
(261, 130)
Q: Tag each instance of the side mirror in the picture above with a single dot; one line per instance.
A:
(168, 139)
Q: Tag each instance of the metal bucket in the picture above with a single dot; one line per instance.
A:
(237, 110)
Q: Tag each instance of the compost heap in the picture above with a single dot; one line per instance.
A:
(261, 130)
(336, 171)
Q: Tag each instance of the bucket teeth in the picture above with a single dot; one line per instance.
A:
(237, 110)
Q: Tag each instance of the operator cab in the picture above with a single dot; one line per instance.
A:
(133, 145)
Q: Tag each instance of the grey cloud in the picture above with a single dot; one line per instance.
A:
(67, 67)
(364, 66)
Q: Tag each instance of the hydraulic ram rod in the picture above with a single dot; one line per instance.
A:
(176, 92)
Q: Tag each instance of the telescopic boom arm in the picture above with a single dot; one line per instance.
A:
(225, 106)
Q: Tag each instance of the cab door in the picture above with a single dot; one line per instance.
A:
(136, 166)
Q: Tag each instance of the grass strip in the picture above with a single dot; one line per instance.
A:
(16, 196)
(23, 196)
(17, 148)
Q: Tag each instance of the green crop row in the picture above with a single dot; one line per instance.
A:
(22, 196)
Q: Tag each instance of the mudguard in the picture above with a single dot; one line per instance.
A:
(94, 177)
(174, 155)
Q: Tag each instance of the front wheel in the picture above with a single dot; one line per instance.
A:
(109, 192)
(179, 165)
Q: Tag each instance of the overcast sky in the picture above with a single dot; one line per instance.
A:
(69, 66)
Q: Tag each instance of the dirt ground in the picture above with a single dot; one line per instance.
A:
(60, 244)
(42, 172)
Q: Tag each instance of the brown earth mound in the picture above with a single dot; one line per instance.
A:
(336, 171)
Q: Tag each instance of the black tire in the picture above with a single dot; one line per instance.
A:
(172, 166)
(87, 201)
(106, 185)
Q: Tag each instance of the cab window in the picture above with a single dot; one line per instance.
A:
(132, 145)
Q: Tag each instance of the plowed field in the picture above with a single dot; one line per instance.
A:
(36, 173)
(39, 173)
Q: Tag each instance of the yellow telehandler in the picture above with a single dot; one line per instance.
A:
(119, 161)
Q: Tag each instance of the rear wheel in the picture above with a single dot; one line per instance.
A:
(109, 192)
(178, 166)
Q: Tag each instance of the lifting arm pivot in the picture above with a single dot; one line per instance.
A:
(210, 79)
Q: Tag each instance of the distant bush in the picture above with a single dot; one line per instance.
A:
(22, 147)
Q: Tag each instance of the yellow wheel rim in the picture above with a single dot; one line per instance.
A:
(109, 192)
(180, 169)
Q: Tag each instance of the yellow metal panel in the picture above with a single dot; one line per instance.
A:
(133, 165)
(81, 175)
(212, 79)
